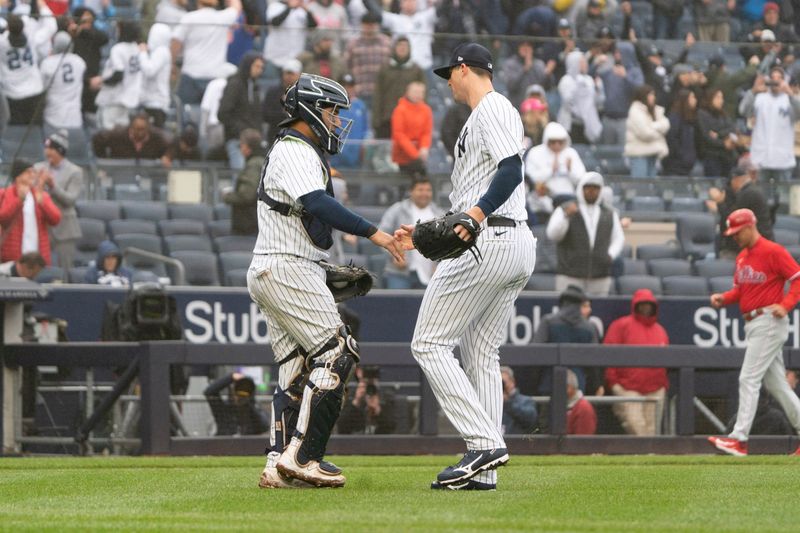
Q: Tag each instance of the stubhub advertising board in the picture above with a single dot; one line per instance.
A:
(227, 315)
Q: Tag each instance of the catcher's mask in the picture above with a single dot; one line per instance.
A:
(313, 97)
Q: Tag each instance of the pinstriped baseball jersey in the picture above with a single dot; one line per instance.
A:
(492, 133)
(294, 170)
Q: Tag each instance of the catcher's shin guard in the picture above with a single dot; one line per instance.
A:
(331, 369)
(285, 410)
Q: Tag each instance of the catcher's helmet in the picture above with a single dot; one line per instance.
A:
(309, 99)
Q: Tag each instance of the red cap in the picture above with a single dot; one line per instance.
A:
(532, 104)
(771, 6)
(739, 219)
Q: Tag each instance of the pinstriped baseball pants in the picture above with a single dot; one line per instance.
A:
(763, 362)
(469, 304)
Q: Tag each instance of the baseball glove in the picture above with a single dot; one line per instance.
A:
(346, 281)
(437, 240)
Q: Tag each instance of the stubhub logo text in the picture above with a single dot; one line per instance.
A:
(210, 323)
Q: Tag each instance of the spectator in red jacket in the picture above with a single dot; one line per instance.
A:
(412, 130)
(581, 418)
(26, 213)
(641, 327)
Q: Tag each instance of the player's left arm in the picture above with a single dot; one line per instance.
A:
(788, 268)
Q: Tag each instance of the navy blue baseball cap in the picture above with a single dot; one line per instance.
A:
(470, 54)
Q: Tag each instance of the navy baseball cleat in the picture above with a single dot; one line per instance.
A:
(469, 484)
(474, 461)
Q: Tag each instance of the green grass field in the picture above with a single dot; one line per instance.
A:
(643, 493)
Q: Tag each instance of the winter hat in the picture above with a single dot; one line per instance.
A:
(58, 141)
(19, 166)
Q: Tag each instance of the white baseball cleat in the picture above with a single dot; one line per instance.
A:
(272, 479)
(317, 473)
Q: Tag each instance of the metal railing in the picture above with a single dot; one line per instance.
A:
(180, 271)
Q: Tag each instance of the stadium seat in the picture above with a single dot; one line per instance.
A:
(234, 243)
(236, 278)
(181, 243)
(627, 285)
(144, 276)
(105, 210)
(634, 267)
(201, 267)
(683, 204)
(669, 267)
(145, 210)
(93, 232)
(77, 274)
(131, 225)
(720, 283)
(130, 192)
(181, 226)
(222, 212)
(148, 243)
(219, 228)
(710, 268)
(541, 282)
(789, 222)
(786, 237)
(647, 204)
(200, 212)
(546, 256)
(657, 251)
(684, 286)
(51, 274)
(20, 142)
(234, 261)
(697, 234)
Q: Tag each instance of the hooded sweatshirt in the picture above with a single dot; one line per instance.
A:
(240, 106)
(540, 159)
(121, 277)
(580, 98)
(156, 64)
(412, 129)
(637, 329)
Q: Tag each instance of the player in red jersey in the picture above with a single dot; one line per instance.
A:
(762, 269)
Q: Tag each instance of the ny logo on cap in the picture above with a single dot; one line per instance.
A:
(460, 58)
(490, 65)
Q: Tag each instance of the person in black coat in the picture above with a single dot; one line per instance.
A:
(239, 415)
(454, 119)
(240, 105)
(681, 138)
(88, 43)
(716, 136)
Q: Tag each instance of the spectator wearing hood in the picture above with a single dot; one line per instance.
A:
(412, 130)
(619, 82)
(713, 19)
(20, 77)
(320, 59)
(640, 328)
(26, 213)
(682, 136)
(716, 135)
(240, 106)
(569, 325)
(776, 109)
(390, 86)
(107, 268)
(555, 168)
(64, 181)
(243, 197)
(581, 97)
(63, 73)
(522, 70)
(645, 133)
(588, 237)
(155, 61)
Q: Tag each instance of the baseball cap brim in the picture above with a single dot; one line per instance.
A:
(443, 72)
(735, 229)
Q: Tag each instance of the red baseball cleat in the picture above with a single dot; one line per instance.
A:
(796, 452)
(729, 446)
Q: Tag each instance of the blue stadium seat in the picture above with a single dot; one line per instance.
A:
(222, 212)
(145, 210)
(634, 267)
(720, 283)
(234, 261)
(182, 243)
(131, 225)
(627, 285)
(541, 282)
(105, 210)
(669, 267)
(200, 212)
(201, 267)
(710, 268)
(20, 142)
(234, 243)
(657, 251)
(181, 226)
(684, 286)
(219, 228)
(93, 232)
(149, 243)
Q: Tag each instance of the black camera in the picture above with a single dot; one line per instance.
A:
(372, 390)
(771, 83)
(371, 372)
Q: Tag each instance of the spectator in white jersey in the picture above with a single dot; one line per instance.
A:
(555, 168)
(122, 79)
(202, 35)
(169, 12)
(63, 179)
(62, 74)
(414, 271)
(331, 15)
(588, 237)
(212, 132)
(418, 25)
(155, 60)
(289, 22)
(20, 78)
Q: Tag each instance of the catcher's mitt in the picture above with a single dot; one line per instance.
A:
(437, 240)
(346, 281)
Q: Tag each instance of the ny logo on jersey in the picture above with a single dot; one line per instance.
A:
(462, 141)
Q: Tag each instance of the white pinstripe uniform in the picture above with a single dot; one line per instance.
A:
(469, 303)
(284, 278)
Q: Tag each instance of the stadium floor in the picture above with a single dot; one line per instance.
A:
(561, 493)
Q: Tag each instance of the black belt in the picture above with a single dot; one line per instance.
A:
(505, 222)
